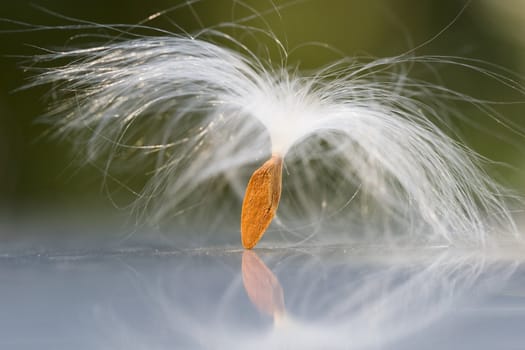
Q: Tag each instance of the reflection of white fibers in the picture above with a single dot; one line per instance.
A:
(350, 302)
(363, 142)
(396, 298)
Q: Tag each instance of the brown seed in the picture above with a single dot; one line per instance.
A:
(261, 285)
(261, 201)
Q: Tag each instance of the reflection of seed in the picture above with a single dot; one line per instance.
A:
(261, 201)
(261, 285)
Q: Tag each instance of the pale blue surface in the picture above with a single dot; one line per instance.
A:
(140, 294)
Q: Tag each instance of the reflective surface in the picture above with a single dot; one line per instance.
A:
(135, 296)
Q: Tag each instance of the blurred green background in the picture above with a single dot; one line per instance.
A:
(39, 174)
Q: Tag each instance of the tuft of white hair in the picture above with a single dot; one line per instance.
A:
(361, 145)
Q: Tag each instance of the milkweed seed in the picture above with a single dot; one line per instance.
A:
(261, 201)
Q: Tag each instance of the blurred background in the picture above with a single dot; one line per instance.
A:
(41, 176)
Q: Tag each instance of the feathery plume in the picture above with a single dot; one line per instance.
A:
(360, 144)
